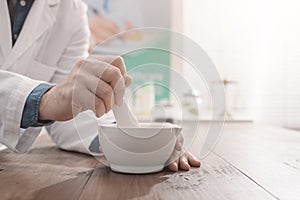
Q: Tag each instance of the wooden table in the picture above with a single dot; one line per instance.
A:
(249, 162)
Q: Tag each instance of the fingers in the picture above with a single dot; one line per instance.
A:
(113, 76)
(173, 166)
(179, 164)
(119, 63)
(128, 81)
(179, 143)
(181, 160)
(116, 61)
(106, 81)
(105, 93)
(178, 146)
(99, 107)
(173, 161)
(107, 73)
(180, 138)
(183, 163)
(193, 161)
(95, 104)
(119, 91)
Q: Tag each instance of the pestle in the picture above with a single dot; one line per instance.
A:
(124, 116)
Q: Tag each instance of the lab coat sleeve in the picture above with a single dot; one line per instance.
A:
(76, 134)
(13, 94)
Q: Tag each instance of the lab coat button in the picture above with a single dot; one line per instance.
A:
(23, 3)
(15, 36)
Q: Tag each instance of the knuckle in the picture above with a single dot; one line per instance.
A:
(78, 75)
(119, 59)
(115, 72)
(85, 65)
(88, 64)
(107, 90)
(106, 66)
(121, 63)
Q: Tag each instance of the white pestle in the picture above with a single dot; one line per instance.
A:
(124, 116)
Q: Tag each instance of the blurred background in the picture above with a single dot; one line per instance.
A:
(254, 45)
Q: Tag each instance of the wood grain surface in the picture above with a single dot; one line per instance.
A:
(243, 166)
(269, 155)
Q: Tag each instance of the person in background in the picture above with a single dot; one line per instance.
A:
(101, 26)
(108, 18)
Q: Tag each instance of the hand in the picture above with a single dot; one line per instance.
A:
(94, 84)
(102, 28)
(182, 160)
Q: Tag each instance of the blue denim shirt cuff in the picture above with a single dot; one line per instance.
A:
(30, 116)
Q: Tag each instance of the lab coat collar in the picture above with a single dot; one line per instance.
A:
(40, 18)
(5, 32)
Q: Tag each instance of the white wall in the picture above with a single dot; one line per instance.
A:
(256, 43)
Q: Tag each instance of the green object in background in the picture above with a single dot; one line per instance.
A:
(150, 66)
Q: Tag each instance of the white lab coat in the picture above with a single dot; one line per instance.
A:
(55, 35)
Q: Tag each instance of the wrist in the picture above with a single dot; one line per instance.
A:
(30, 114)
(45, 107)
